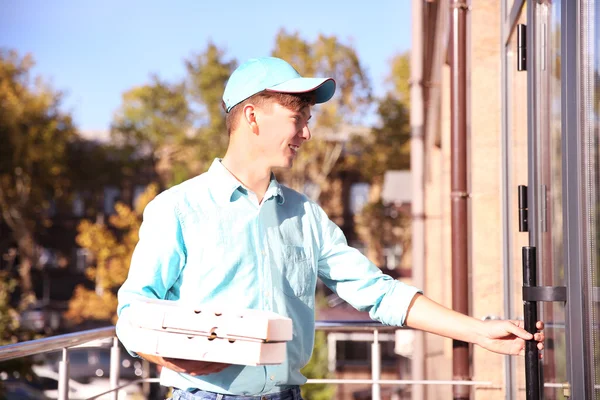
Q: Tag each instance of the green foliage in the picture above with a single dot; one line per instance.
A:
(9, 317)
(112, 248)
(317, 369)
(381, 225)
(386, 148)
(325, 56)
(152, 115)
(35, 135)
(399, 78)
(181, 126)
(10, 328)
(155, 121)
(388, 145)
(207, 75)
(328, 56)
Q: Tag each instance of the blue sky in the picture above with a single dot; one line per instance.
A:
(96, 50)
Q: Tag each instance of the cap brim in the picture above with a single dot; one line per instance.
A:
(324, 88)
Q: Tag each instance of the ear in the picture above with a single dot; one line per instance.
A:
(249, 116)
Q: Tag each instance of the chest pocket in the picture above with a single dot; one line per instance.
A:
(297, 274)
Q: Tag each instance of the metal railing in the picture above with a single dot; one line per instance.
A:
(65, 342)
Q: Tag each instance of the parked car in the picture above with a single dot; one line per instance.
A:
(86, 363)
(41, 319)
(79, 390)
(21, 390)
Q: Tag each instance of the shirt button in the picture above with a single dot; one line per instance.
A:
(267, 294)
(272, 377)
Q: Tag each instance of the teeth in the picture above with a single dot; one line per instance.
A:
(294, 148)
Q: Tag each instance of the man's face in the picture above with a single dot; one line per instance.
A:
(281, 133)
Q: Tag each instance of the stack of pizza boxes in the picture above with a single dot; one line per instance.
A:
(226, 335)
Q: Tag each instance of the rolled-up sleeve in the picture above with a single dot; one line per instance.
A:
(157, 260)
(357, 280)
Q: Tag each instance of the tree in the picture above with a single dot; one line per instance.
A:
(326, 56)
(318, 366)
(155, 121)
(35, 134)
(399, 78)
(180, 125)
(386, 148)
(111, 247)
(208, 72)
(11, 331)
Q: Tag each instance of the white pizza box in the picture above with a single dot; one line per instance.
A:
(202, 348)
(220, 334)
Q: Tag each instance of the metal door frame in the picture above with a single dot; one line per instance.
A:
(578, 371)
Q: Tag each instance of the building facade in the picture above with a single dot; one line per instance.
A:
(505, 95)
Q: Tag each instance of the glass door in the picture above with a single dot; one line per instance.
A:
(547, 233)
(564, 181)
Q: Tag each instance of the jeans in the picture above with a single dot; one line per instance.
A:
(289, 394)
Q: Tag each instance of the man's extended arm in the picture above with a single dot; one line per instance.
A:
(505, 337)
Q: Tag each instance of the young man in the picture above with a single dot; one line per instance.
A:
(234, 235)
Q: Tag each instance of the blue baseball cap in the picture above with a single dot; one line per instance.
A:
(272, 74)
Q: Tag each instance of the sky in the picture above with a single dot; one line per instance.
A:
(93, 51)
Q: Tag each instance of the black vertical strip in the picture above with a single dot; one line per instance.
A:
(523, 209)
(521, 47)
(532, 371)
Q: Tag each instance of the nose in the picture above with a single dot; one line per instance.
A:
(306, 132)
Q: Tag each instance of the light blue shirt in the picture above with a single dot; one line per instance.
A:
(208, 241)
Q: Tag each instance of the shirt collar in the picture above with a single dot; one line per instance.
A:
(225, 184)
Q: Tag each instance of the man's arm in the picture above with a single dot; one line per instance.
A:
(157, 261)
(505, 337)
(355, 279)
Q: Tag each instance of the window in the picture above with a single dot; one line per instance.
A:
(82, 258)
(358, 353)
(78, 205)
(359, 197)
(138, 190)
(111, 196)
(392, 256)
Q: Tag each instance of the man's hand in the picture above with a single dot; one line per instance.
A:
(505, 337)
(191, 367)
(508, 337)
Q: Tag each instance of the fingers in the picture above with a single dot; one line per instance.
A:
(209, 368)
(518, 322)
(518, 331)
(539, 337)
(194, 368)
(539, 325)
(170, 363)
(540, 346)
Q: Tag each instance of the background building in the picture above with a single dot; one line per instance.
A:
(495, 108)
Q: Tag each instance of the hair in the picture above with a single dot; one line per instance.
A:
(264, 99)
